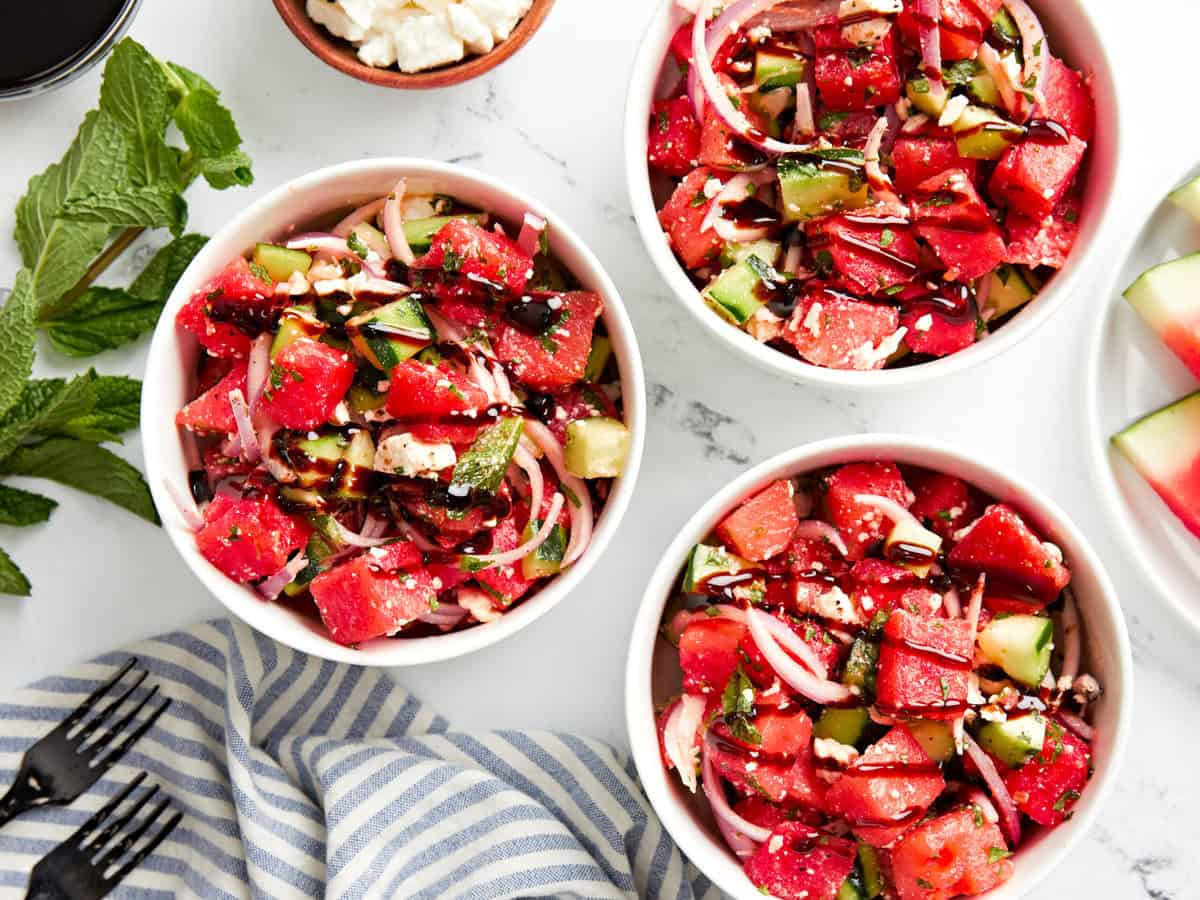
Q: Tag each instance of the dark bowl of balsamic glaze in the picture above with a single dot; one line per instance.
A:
(46, 43)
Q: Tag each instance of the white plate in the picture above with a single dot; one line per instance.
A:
(1131, 373)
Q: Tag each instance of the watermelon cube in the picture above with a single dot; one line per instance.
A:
(765, 814)
(308, 380)
(683, 217)
(751, 773)
(923, 666)
(230, 309)
(785, 734)
(1001, 546)
(762, 526)
(422, 390)
(880, 586)
(950, 199)
(886, 790)
(838, 331)
(956, 854)
(359, 602)
(211, 412)
(710, 651)
(933, 333)
(942, 502)
(465, 249)
(871, 258)
(1068, 101)
(917, 159)
(798, 861)
(249, 538)
(953, 218)
(851, 77)
(1167, 299)
(505, 584)
(1044, 242)
(1034, 175)
(861, 526)
(961, 28)
(557, 357)
(674, 137)
(1165, 449)
(966, 254)
(1047, 787)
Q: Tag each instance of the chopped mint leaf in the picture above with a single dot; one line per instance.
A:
(830, 119)
(12, 579)
(1066, 797)
(16, 341)
(356, 245)
(995, 854)
(887, 238)
(23, 508)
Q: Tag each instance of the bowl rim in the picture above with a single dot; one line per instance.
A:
(692, 839)
(161, 444)
(1100, 451)
(330, 50)
(644, 78)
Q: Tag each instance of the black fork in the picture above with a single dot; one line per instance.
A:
(97, 857)
(73, 757)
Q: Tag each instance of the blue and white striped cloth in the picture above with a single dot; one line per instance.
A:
(304, 778)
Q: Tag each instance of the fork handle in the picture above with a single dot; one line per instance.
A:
(23, 796)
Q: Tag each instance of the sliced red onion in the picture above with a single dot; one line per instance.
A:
(319, 242)
(1071, 647)
(975, 604)
(889, 508)
(679, 737)
(272, 587)
(790, 641)
(537, 484)
(374, 526)
(805, 123)
(819, 690)
(797, 15)
(952, 602)
(793, 258)
(251, 452)
(368, 281)
(580, 506)
(504, 390)
(875, 174)
(532, 229)
(929, 16)
(1033, 47)
(816, 530)
(355, 539)
(974, 795)
(730, 22)
(364, 213)
(915, 123)
(446, 616)
(478, 604)
(279, 470)
(1010, 92)
(740, 834)
(259, 369)
(447, 332)
(507, 558)
(1010, 821)
(413, 534)
(393, 224)
(482, 377)
(1077, 725)
(735, 191)
(186, 506)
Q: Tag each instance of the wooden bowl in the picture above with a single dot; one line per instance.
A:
(342, 54)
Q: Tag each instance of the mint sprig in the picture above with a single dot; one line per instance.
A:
(118, 178)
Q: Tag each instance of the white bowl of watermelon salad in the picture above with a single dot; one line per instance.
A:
(876, 666)
(358, 389)
(871, 193)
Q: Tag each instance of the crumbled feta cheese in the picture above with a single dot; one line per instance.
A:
(335, 20)
(954, 109)
(501, 16)
(775, 844)
(924, 323)
(378, 49)
(478, 604)
(851, 8)
(759, 33)
(1053, 551)
(470, 28)
(835, 604)
(425, 42)
(764, 325)
(868, 356)
(840, 754)
(403, 454)
(812, 321)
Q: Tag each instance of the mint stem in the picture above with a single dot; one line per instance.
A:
(110, 255)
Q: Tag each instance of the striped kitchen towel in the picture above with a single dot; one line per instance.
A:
(303, 778)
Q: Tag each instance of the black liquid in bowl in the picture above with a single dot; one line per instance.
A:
(47, 42)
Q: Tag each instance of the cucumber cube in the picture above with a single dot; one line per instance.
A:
(1015, 741)
(709, 562)
(817, 184)
(934, 737)
(913, 547)
(982, 134)
(846, 726)
(735, 292)
(1011, 288)
(1021, 645)
(778, 70)
(598, 358)
(280, 262)
(391, 334)
(597, 447)
(547, 559)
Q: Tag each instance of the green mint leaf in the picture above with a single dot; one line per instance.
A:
(102, 319)
(213, 139)
(23, 508)
(12, 579)
(184, 79)
(159, 277)
(45, 405)
(85, 467)
(136, 93)
(158, 205)
(17, 334)
(117, 410)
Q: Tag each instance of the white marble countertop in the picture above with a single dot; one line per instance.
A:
(548, 122)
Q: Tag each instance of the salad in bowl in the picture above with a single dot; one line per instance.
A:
(874, 678)
(405, 424)
(867, 184)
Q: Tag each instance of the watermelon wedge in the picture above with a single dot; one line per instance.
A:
(1166, 297)
(1165, 448)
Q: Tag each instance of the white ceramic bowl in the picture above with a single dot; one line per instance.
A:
(173, 354)
(1131, 373)
(1072, 35)
(653, 675)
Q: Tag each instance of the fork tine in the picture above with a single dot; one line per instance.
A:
(112, 828)
(114, 756)
(105, 737)
(85, 707)
(105, 811)
(101, 717)
(151, 845)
